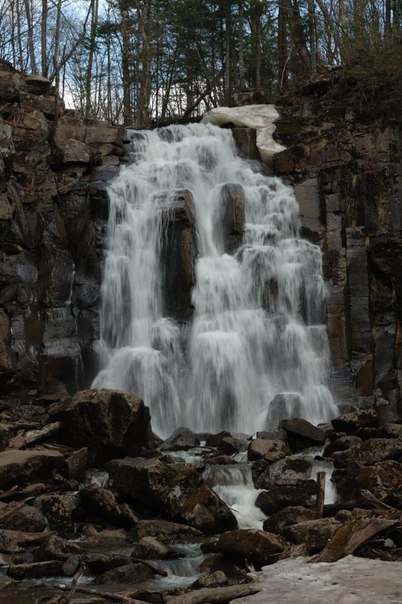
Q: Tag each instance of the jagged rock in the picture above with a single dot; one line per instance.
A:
(149, 548)
(129, 573)
(109, 422)
(280, 496)
(280, 521)
(302, 434)
(36, 570)
(289, 470)
(59, 510)
(350, 422)
(368, 453)
(269, 450)
(315, 533)
(16, 467)
(56, 548)
(167, 532)
(103, 503)
(179, 253)
(181, 440)
(77, 463)
(256, 546)
(341, 444)
(176, 491)
(19, 517)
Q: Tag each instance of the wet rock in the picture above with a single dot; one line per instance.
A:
(228, 443)
(315, 533)
(280, 521)
(36, 570)
(246, 141)
(350, 422)
(256, 546)
(289, 470)
(179, 492)
(109, 422)
(282, 406)
(149, 548)
(167, 532)
(369, 452)
(20, 517)
(179, 253)
(101, 502)
(280, 496)
(182, 439)
(232, 212)
(269, 450)
(16, 467)
(129, 573)
(341, 444)
(302, 434)
(56, 548)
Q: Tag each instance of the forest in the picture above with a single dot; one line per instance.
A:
(141, 62)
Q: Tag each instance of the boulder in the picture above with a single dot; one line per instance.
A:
(60, 510)
(231, 216)
(37, 84)
(109, 422)
(369, 452)
(20, 517)
(227, 442)
(278, 497)
(289, 470)
(302, 434)
(381, 479)
(341, 444)
(97, 501)
(177, 491)
(315, 533)
(182, 439)
(17, 467)
(149, 548)
(129, 573)
(280, 521)
(256, 546)
(167, 532)
(350, 422)
(269, 450)
(56, 548)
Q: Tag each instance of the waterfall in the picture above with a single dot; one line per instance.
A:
(253, 348)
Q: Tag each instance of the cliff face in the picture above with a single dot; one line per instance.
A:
(346, 166)
(53, 169)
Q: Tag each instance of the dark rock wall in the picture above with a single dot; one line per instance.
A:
(53, 212)
(347, 174)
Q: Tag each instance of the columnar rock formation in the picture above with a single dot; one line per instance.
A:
(53, 169)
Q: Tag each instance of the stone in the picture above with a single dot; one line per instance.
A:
(341, 444)
(214, 579)
(269, 450)
(302, 434)
(17, 467)
(179, 252)
(149, 548)
(56, 548)
(20, 517)
(59, 509)
(256, 546)
(101, 563)
(37, 84)
(246, 141)
(288, 516)
(280, 496)
(381, 479)
(109, 422)
(35, 570)
(182, 439)
(350, 422)
(369, 452)
(166, 532)
(77, 464)
(289, 470)
(129, 573)
(232, 216)
(178, 492)
(101, 502)
(315, 533)
(228, 443)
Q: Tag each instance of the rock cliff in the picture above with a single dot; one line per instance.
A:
(53, 169)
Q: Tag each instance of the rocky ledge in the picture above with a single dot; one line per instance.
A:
(94, 504)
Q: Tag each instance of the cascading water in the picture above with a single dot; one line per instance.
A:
(256, 349)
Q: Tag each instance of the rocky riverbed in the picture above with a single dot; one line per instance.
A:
(96, 508)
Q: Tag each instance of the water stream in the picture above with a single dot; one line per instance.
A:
(256, 349)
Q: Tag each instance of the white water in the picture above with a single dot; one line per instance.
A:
(258, 328)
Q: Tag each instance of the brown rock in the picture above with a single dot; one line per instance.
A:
(257, 546)
(101, 502)
(149, 548)
(315, 533)
(59, 510)
(56, 548)
(176, 491)
(16, 467)
(182, 439)
(369, 452)
(36, 570)
(302, 434)
(280, 521)
(20, 517)
(109, 422)
(129, 573)
(280, 496)
(350, 422)
(167, 532)
(269, 450)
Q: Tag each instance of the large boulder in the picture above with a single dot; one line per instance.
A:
(110, 422)
(302, 434)
(280, 496)
(369, 452)
(174, 490)
(257, 546)
(350, 422)
(269, 450)
(289, 470)
(280, 521)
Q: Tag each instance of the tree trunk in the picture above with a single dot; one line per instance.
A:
(31, 46)
(43, 38)
(92, 45)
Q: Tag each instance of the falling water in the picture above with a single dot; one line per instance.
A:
(256, 348)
